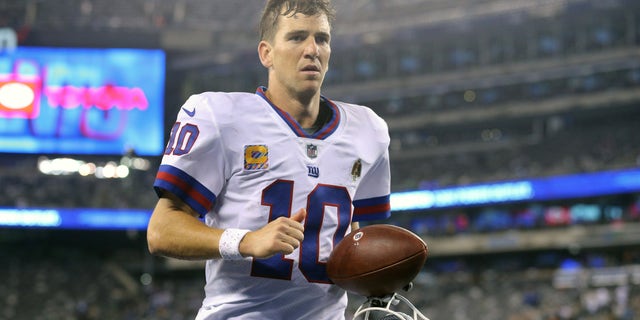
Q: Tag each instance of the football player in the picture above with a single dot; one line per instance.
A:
(279, 177)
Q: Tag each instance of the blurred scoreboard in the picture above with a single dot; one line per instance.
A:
(82, 101)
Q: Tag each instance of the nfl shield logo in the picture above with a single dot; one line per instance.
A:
(312, 151)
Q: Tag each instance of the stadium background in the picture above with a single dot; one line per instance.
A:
(474, 91)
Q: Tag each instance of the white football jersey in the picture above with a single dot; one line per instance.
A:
(241, 162)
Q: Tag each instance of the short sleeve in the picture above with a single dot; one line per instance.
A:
(192, 167)
(372, 197)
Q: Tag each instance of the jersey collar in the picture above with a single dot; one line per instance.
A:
(321, 134)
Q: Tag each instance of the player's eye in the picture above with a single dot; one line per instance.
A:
(322, 40)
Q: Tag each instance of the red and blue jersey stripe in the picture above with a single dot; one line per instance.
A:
(185, 187)
(372, 208)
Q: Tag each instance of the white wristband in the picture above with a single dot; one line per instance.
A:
(230, 242)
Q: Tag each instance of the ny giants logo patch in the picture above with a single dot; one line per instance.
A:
(313, 171)
(256, 157)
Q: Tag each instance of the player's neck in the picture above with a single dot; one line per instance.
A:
(303, 109)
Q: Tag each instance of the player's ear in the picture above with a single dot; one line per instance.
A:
(264, 52)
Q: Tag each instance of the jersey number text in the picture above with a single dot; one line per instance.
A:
(186, 137)
(278, 196)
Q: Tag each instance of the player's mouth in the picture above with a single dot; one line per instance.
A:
(311, 69)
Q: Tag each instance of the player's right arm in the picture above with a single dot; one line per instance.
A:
(175, 231)
(187, 188)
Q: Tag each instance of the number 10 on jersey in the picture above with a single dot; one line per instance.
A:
(278, 196)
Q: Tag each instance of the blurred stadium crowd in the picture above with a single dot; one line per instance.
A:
(67, 280)
(473, 91)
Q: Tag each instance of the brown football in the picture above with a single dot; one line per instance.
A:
(377, 260)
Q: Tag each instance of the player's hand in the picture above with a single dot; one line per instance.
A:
(282, 235)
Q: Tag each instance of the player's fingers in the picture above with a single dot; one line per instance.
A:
(286, 225)
(287, 249)
(295, 234)
(274, 244)
(288, 221)
(299, 215)
(284, 246)
(291, 241)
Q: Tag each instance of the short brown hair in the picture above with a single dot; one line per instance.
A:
(275, 8)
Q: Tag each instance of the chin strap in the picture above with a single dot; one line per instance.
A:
(379, 308)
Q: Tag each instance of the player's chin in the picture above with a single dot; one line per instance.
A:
(312, 76)
(309, 87)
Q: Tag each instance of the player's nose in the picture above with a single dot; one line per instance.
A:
(311, 49)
